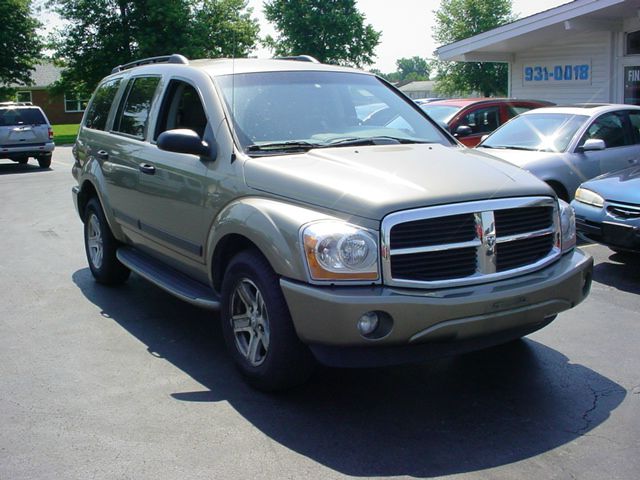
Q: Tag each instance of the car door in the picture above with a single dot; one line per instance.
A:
(172, 186)
(621, 147)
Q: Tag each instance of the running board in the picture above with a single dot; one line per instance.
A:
(169, 279)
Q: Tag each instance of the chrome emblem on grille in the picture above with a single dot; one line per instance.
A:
(486, 233)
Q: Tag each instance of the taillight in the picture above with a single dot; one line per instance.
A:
(50, 133)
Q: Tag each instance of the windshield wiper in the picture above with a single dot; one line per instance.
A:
(282, 146)
(377, 140)
(507, 147)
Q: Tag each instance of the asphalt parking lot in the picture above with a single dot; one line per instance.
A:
(131, 383)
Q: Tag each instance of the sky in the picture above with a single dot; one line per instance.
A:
(406, 26)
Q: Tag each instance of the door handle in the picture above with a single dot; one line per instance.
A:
(102, 155)
(146, 168)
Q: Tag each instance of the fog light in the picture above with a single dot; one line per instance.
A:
(368, 323)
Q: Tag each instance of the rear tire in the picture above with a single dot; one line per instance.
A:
(257, 326)
(22, 160)
(101, 246)
(44, 161)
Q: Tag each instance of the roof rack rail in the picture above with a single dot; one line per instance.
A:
(16, 104)
(175, 58)
(299, 58)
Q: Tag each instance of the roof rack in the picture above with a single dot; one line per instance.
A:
(299, 58)
(16, 104)
(175, 58)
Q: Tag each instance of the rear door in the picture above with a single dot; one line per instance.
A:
(23, 127)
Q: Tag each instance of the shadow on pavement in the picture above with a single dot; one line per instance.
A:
(454, 415)
(620, 270)
(14, 168)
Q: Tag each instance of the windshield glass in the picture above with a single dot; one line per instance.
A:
(440, 113)
(21, 116)
(318, 109)
(546, 132)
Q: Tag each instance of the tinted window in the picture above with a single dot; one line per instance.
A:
(482, 120)
(549, 132)
(515, 110)
(320, 108)
(181, 108)
(634, 118)
(133, 113)
(98, 111)
(610, 128)
(21, 116)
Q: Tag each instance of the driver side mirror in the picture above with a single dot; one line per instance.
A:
(185, 141)
(463, 131)
(592, 144)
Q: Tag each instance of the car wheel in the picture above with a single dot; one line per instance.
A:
(44, 161)
(257, 326)
(100, 246)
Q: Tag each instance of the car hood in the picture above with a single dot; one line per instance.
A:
(620, 186)
(520, 158)
(373, 181)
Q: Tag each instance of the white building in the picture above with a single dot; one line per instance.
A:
(582, 51)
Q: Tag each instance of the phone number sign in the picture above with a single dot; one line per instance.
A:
(558, 73)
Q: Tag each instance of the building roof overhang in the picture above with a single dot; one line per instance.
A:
(500, 44)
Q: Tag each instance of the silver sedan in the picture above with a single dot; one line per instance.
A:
(565, 146)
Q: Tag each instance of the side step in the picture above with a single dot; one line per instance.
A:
(169, 279)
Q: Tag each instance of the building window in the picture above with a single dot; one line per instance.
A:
(72, 105)
(633, 43)
(23, 97)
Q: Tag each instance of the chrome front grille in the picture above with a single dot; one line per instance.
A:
(623, 210)
(469, 243)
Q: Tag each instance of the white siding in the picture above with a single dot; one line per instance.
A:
(578, 48)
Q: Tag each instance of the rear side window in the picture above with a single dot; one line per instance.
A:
(515, 110)
(21, 116)
(133, 113)
(98, 111)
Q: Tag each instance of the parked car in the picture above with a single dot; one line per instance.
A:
(25, 132)
(469, 119)
(262, 189)
(565, 146)
(608, 210)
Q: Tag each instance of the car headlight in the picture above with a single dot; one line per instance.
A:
(587, 196)
(339, 251)
(567, 226)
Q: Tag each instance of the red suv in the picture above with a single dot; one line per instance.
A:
(468, 119)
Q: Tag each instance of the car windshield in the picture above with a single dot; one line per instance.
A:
(546, 132)
(276, 111)
(440, 113)
(21, 116)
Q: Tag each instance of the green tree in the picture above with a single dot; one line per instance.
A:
(20, 47)
(460, 19)
(414, 68)
(100, 34)
(333, 31)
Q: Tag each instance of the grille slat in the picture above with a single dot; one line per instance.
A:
(468, 263)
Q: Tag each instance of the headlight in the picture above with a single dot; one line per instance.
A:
(339, 251)
(587, 196)
(567, 226)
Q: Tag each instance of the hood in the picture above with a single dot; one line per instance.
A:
(520, 158)
(620, 186)
(372, 181)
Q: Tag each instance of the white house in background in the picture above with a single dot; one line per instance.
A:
(582, 51)
(419, 89)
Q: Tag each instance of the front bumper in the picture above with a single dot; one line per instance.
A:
(326, 317)
(595, 224)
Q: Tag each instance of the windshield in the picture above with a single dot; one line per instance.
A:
(302, 110)
(440, 113)
(546, 132)
(21, 116)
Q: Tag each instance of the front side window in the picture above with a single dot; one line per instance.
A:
(133, 114)
(96, 115)
(547, 132)
(609, 128)
(482, 120)
(181, 108)
(320, 109)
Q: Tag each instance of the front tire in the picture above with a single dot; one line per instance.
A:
(257, 326)
(101, 246)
